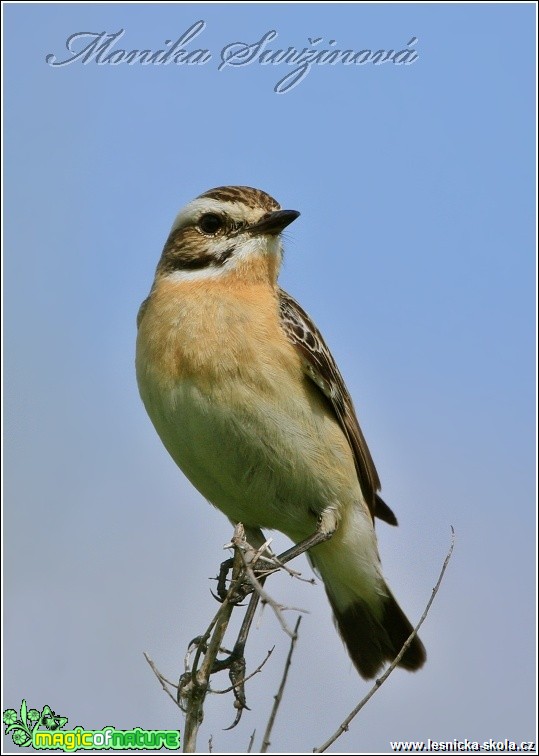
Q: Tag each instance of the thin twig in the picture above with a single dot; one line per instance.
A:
(251, 741)
(266, 599)
(200, 647)
(279, 696)
(274, 565)
(293, 573)
(248, 677)
(344, 726)
(164, 682)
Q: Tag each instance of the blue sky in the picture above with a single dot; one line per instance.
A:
(415, 255)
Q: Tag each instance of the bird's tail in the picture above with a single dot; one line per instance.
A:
(372, 640)
(370, 621)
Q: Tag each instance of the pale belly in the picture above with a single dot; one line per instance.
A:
(264, 459)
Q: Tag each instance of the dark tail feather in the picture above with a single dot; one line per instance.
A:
(383, 512)
(371, 641)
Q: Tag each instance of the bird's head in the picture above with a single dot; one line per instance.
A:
(230, 228)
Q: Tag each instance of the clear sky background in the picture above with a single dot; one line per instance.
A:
(414, 254)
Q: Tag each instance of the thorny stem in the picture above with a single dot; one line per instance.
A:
(197, 687)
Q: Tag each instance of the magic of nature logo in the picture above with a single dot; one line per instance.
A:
(44, 730)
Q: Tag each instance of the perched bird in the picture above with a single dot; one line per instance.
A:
(250, 404)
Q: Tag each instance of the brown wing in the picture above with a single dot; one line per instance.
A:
(322, 370)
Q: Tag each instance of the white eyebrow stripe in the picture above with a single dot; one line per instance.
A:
(202, 205)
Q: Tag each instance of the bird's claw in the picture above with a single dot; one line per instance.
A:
(237, 678)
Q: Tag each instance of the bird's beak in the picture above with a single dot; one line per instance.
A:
(273, 223)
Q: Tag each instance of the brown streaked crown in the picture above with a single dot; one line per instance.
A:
(247, 195)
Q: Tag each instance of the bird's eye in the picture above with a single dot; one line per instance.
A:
(210, 223)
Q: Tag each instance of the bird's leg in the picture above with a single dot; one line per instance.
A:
(303, 546)
(225, 568)
(237, 652)
(254, 538)
(235, 662)
(327, 524)
(223, 592)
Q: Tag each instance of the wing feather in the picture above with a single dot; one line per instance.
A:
(321, 368)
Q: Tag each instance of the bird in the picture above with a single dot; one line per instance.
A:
(250, 404)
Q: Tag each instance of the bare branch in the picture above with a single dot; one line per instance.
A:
(164, 682)
(196, 684)
(279, 696)
(344, 726)
(266, 599)
(251, 741)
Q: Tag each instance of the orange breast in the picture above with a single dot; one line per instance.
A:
(209, 329)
